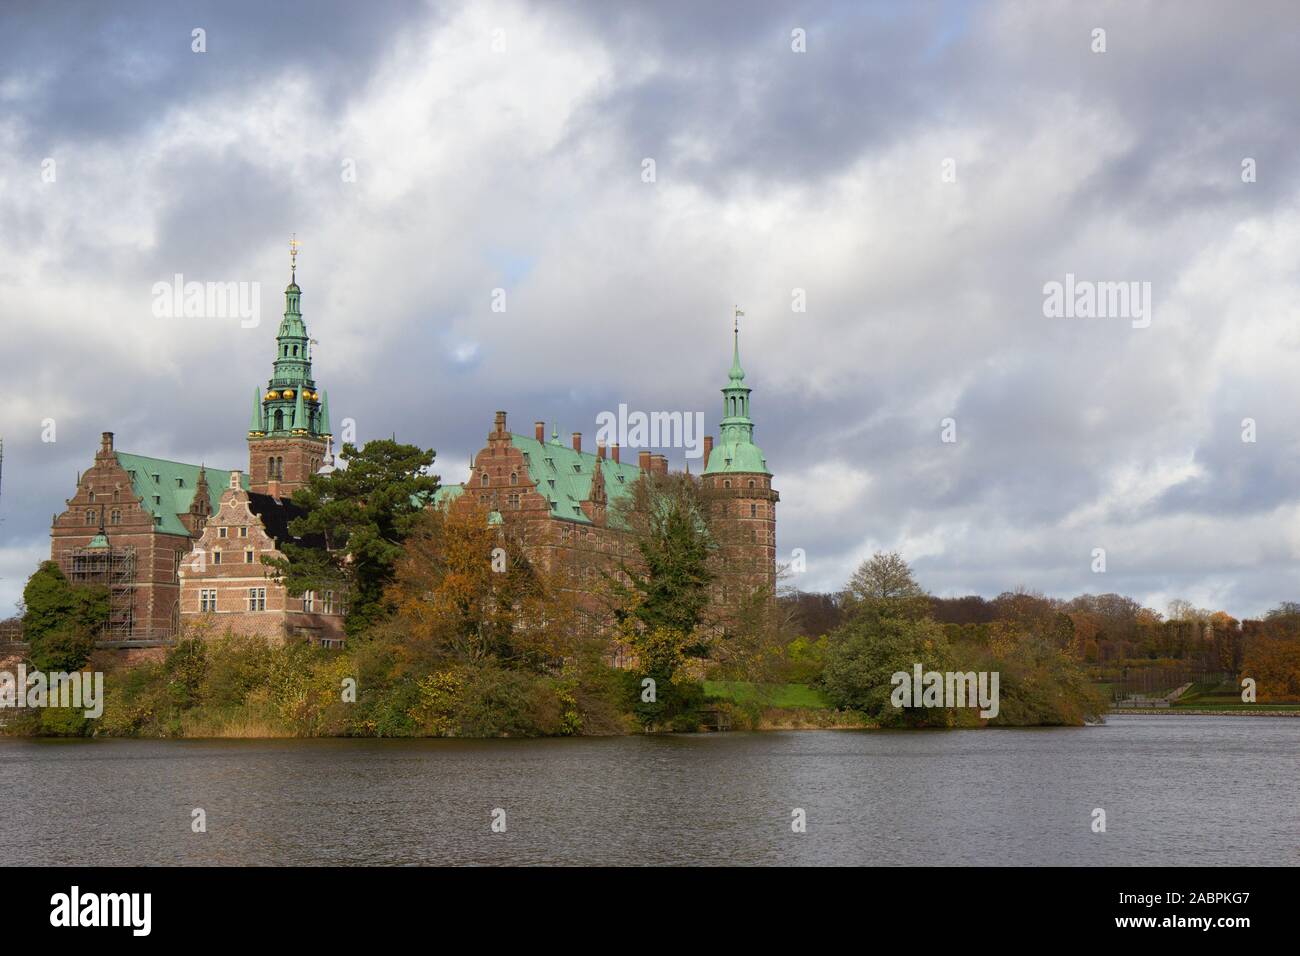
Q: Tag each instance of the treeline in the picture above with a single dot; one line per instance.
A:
(1113, 636)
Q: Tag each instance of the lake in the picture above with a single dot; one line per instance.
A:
(1176, 790)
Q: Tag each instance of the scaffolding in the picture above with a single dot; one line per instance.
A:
(114, 569)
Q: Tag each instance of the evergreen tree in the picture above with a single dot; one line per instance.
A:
(363, 513)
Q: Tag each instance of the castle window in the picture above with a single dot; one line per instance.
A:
(115, 516)
(92, 498)
(222, 532)
(727, 483)
(483, 479)
(208, 600)
(116, 495)
(248, 556)
(514, 478)
(257, 599)
(279, 419)
(514, 501)
(295, 351)
(751, 482)
(216, 557)
(279, 468)
(753, 511)
(243, 531)
(90, 517)
(309, 601)
(329, 602)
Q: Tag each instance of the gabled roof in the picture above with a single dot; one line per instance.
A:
(564, 475)
(173, 484)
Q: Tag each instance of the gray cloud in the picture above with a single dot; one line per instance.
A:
(521, 170)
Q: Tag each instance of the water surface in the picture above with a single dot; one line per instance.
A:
(1177, 790)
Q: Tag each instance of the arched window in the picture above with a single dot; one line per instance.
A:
(279, 468)
(483, 479)
(751, 482)
(295, 351)
(279, 419)
(90, 516)
(726, 483)
(514, 478)
(270, 468)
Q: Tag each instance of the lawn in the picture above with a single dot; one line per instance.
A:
(768, 695)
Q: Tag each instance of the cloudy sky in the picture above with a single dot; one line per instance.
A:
(920, 171)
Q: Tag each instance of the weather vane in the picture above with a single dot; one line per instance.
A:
(293, 254)
(736, 318)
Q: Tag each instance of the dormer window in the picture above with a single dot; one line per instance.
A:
(155, 478)
(180, 482)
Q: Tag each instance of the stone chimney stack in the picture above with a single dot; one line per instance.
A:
(643, 460)
(500, 422)
(105, 446)
(613, 452)
(600, 450)
(234, 479)
(708, 449)
(539, 430)
(577, 441)
(659, 464)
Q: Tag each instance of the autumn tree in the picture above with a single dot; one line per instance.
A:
(466, 589)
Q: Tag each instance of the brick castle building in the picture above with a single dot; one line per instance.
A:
(180, 543)
(563, 500)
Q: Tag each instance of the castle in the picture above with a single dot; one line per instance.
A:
(178, 543)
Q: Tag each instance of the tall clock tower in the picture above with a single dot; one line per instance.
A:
(288, 437)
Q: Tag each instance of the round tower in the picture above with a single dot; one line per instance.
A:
(739, 482)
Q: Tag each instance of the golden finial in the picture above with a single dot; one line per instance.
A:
(293, 255)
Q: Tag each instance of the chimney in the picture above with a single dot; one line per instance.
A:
(106, 442)
(539, 432)
(708, 449)
(500, 422)
(577, 441)
(613, 452)
(643, 460)
(660, 464)
(234, 479)
(600, 450)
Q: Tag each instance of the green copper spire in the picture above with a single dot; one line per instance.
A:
(291, 402)
(324, 425)
(736, 451)
(255, 423)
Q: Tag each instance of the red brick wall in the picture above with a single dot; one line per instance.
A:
(235, 532)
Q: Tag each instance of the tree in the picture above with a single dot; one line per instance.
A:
(884, 583)
(864, 654)
(669, 587)
(467, 589)
(61, 622)
(362, 515)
